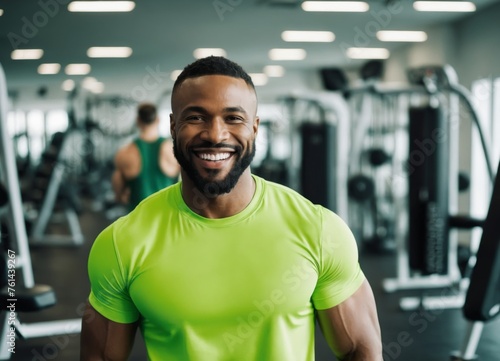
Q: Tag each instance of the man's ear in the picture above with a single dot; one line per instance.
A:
(172, 126)
(255, 126)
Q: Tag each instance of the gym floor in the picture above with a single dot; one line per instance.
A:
(407, 336)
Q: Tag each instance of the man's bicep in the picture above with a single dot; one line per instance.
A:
(103, 339)
(351, 328)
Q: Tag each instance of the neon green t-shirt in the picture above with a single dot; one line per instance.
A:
(238, 288)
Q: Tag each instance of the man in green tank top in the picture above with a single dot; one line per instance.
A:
(145, 165)
(224, 265)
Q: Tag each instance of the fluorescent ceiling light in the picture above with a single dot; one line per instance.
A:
(258, 79)
(274, 71)
(407, 36)
(26, 54)
(287, 54)
(77, 69)
(101, 6)
(308, 36)
(447, 6)
(49, 68)
(204, 52)
(109, 52)
(336, 6)
(367, 53)
(68, 85)
(175, 74)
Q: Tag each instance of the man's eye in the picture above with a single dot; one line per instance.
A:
(195, 118)
(234, 118)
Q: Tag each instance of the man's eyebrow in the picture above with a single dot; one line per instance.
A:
(194, 109)
(237, 109)
(198, 109)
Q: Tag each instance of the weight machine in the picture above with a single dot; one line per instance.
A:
(318, 133)
(425, 186)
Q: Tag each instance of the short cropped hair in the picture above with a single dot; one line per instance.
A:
(213, 65)
(146, 113)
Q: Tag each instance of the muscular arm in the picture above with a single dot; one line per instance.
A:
(352, 329)
(168, 162)
(122, 192)
(104, 340)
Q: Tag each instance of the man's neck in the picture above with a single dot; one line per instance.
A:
(221, 206)
(149, 134)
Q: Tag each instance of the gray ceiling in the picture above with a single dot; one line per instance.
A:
(164, 34)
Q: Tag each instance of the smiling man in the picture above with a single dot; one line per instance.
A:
(225, 265)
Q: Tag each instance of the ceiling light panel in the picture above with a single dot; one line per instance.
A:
(308, 36)
(335, 6)
(367, 53)
(402, 36)
(26, 54)
(444, 6)
(101, 6)
(49, 68)
(204, 52)
(77, 69)
(274, 71)
(109, 52)
(287, 54)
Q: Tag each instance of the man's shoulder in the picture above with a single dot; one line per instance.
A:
(282, 196)
(124, 154)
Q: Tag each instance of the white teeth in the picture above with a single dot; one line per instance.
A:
(214, 157)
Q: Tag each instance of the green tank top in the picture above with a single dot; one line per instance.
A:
(151, 178)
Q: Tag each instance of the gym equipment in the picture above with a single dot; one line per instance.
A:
(482, 301)
(434, 97)
(32, 297)
(429, 260)
(433, 217)
(318, 163)
(270, 167)
(361, 188)
(372, 70)
(48, 190)
(428, 191)
(4, 197)
(372, 160)
(333, 79)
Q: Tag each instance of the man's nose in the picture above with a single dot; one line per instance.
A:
(215, 131)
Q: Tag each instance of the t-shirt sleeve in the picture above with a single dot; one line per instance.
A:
(108, 287)
(340, 274)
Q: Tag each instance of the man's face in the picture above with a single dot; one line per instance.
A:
(214, 126)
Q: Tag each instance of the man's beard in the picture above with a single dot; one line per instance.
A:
(209, 187)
